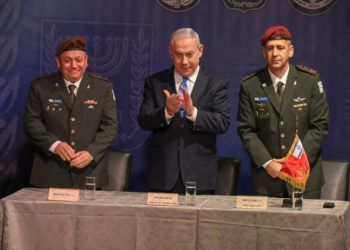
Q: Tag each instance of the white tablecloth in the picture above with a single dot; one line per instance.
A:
(123, 220)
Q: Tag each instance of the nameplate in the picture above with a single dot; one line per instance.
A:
(63, 194)
(163, 199)
(252, 202)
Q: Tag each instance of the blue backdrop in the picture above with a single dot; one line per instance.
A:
(128, 40)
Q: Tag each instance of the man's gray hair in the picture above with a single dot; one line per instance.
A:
(185, 33)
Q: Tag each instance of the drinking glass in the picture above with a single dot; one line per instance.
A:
(191, 190)
(90, 187)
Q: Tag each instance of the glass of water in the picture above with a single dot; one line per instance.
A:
(191, 190)
(90, 187)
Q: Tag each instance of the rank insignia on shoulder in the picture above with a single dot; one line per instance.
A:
(100, 77)
(248, 76)
(44, 76)
(306, 69)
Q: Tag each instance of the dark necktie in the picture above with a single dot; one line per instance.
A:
(183, 84)
(280, 91)
(71, 93)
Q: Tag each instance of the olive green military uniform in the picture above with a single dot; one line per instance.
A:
(267, 128)
(89, 124)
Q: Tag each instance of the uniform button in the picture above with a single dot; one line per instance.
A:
(283, 147)
(282, 123)
(72, 119)
(161, 124)
(283, 135)
(72, 143)
(73, 131)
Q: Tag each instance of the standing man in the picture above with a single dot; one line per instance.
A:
(71, 118)
(185, 107)
(272, 102)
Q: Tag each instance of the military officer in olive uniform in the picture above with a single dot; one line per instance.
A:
(272, 102)
(71, 118)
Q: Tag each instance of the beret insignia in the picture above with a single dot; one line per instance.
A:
(276, 33)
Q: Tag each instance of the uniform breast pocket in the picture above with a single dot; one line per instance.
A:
(54, 112)
(262, 111)
(92, 105)
(301, 110)
(54, 108)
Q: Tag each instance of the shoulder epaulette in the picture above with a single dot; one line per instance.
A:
(100, 77)
(306, 69)
(249, 76)
(45, 76)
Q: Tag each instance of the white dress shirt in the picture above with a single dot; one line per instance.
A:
(190, 85)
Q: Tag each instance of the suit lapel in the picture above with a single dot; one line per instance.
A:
(269, 89)
(199, 86)
(289, 89)
(169, 82)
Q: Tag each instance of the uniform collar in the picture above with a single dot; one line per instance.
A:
(275, 79)
(77, 83)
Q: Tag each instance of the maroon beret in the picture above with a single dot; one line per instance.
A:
(276, 33)
(73, 43)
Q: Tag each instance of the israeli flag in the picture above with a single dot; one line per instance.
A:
(298, 149)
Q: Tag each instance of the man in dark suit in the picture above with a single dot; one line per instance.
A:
(71, 118)
(185, 107)
(273, 103)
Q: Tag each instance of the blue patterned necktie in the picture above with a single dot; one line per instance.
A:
(183, 84)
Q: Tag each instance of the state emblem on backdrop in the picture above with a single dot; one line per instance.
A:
(244, 5)
(312, 7)
(178, 5)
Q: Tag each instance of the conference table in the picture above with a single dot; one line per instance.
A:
(123, 220)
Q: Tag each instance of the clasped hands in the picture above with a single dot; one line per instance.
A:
(176, 100)
(274, 167)
(67, 153)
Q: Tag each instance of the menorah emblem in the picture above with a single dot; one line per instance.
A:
(107, 56)
(108, 61)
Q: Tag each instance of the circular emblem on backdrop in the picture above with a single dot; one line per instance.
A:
(178, 5)
(244, 5)
(312, 7)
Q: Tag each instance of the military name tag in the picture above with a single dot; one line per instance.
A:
(63, 194)
(163, 199)
(252, 202)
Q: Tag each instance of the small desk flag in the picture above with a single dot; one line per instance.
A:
(296, 168)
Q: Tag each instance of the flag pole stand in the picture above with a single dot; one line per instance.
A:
(297, 198)
(293, 197)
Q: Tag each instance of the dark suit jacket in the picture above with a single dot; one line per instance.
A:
(267, 130)
(183, 146)
(90, 124)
